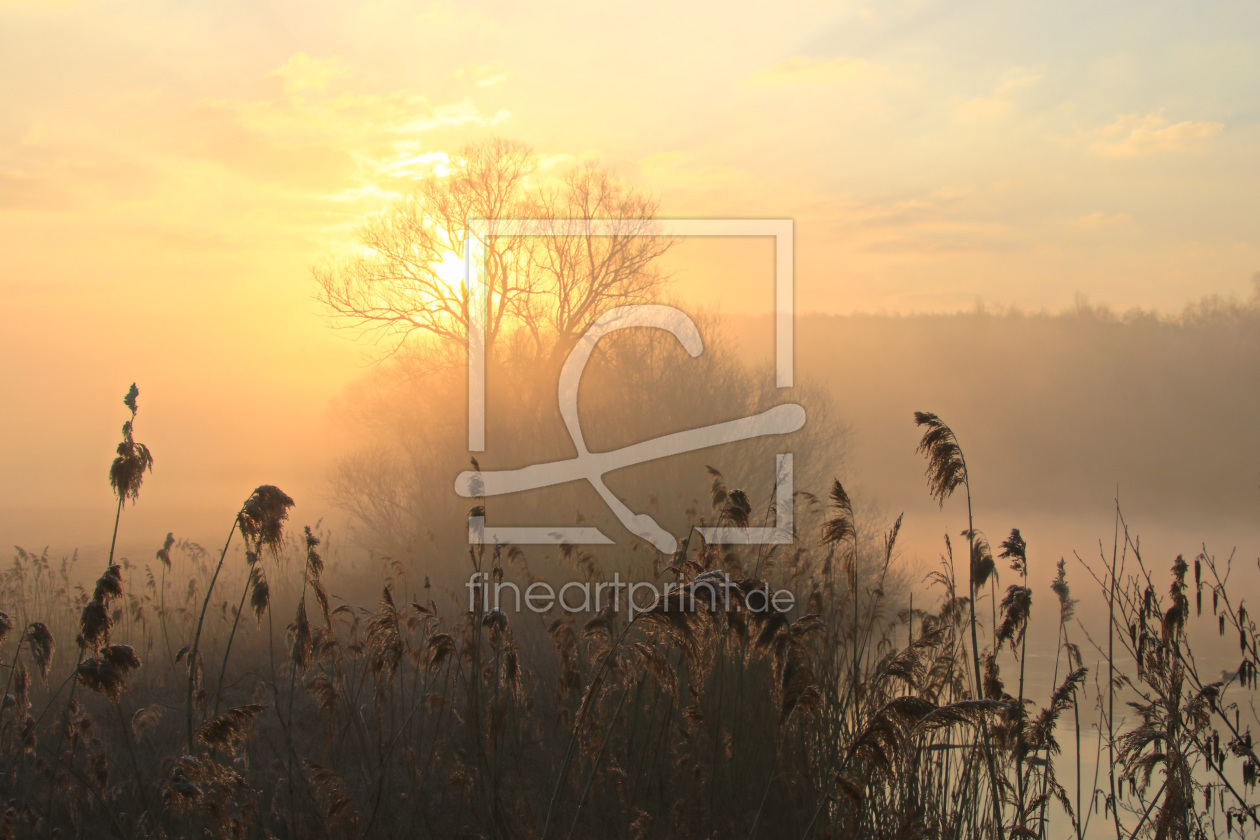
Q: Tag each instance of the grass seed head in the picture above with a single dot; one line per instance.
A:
(946, 469)
(263, 516)
(42, 646)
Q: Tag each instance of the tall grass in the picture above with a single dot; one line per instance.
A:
(866, 710)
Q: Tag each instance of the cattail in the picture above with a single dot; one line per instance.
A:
(42, 646)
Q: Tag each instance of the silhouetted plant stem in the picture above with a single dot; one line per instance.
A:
(946, 472)
(590, 779)
(1111, 671)
(131, 751)
(227, 651)
(975, 656)
(194, 652)
(166, 639)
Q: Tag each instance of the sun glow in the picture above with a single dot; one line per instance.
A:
(450, 271)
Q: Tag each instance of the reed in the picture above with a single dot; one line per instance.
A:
(418, 716)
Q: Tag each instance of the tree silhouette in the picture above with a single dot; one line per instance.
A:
(550, 285)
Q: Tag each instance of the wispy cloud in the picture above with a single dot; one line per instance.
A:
(1132, 135)
(1002, 98)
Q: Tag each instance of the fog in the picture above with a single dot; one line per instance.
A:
(1057, 414)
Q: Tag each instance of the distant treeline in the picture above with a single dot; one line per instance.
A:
(1061, 407)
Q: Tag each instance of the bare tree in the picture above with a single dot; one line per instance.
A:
(396, 287)
(613, 261)
(551, 283)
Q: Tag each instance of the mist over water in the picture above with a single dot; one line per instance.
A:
(1059, 414)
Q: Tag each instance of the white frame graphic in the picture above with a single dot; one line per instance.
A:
(471, 484)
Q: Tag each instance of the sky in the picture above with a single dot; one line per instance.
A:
(169, 172)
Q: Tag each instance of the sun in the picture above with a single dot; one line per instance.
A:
(450, 271)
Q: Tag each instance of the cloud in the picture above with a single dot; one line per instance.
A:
(410, 162)
(1133, 136)
(453, 114)
(807, 70)
(332, 143)
(301, 72)
(997, 103)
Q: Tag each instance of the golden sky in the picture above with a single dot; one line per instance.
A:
(170, 171)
